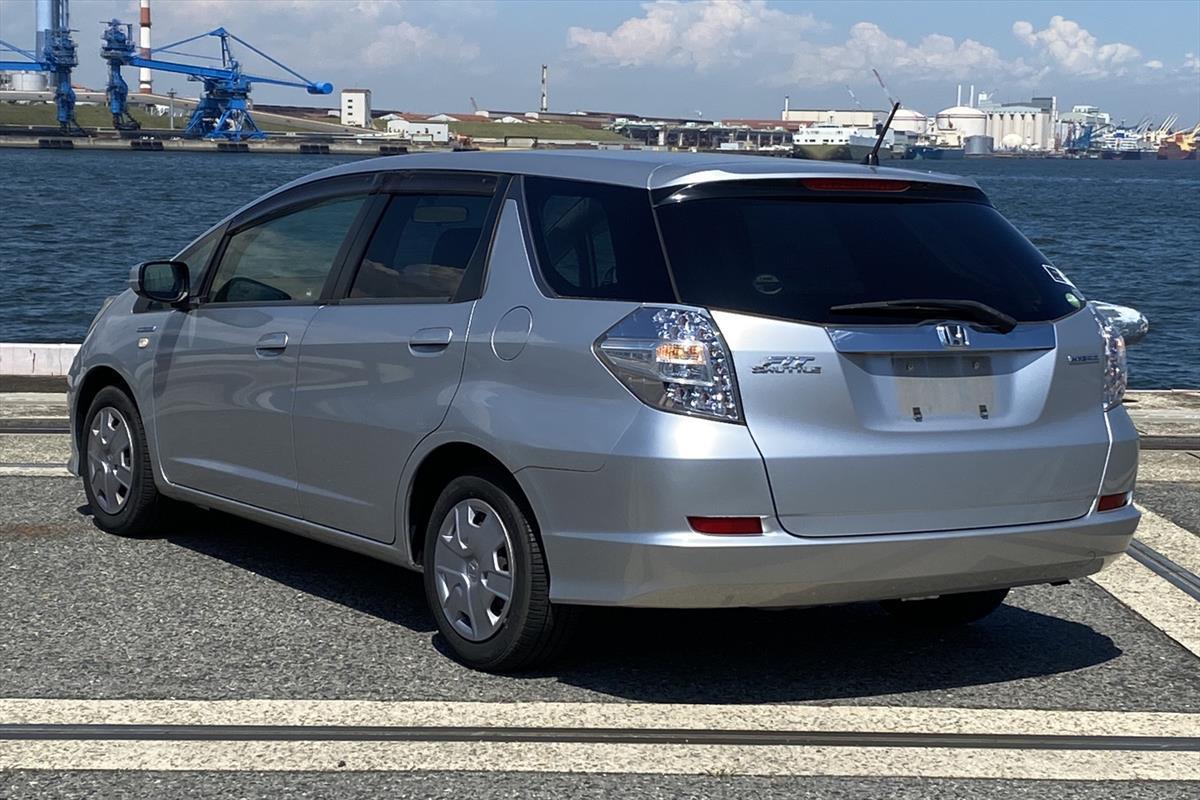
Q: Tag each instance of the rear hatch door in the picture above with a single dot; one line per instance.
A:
(907, 421)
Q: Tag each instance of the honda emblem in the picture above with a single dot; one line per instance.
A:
(953, 335)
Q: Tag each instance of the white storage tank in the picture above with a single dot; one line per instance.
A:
(965, 120)
(1012, 141)
(910, 121)
(30, 82)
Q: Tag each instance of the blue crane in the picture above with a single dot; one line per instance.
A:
(222, 111)
(58, 57)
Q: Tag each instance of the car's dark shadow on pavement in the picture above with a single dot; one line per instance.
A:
(710, 656)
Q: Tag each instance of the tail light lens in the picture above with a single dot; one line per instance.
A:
(1116, 375)
(673, 359)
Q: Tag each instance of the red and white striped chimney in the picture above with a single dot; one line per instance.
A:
(144, 80)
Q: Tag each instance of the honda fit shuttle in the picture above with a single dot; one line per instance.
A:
(551, 380)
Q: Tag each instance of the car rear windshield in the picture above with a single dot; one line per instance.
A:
(795, 256)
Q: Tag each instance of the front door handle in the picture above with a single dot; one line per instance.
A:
(272, 343)
(430, 340)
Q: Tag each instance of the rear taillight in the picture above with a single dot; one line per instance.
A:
(673, 359)
(1116, 375)
(1111, 502)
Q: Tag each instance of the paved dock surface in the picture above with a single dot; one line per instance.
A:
(221, 658)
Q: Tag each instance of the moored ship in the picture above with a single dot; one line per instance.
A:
(830, 142)
(934, 152)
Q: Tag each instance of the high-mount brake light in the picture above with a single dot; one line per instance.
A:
(854, 185)
(673, 359)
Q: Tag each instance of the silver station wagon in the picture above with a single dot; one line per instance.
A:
(552, 380)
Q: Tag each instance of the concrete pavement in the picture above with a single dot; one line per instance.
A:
(1085, 690)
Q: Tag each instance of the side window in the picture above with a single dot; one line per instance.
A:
(597, 241)
(196, 256)
(285, 258)
(421, 247)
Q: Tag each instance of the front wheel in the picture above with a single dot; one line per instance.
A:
(948, 609)
(486, 579)
(117, 475)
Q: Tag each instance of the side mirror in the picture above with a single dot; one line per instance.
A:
(161, 281)
(1129, 322)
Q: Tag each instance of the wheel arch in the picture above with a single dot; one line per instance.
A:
(436, 469)
(96, 378)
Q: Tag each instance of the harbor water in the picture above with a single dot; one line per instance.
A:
(72, 223)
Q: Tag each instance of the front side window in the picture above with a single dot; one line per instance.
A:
(286, 258)
(597, 241)
(196, 256)
(422, 247)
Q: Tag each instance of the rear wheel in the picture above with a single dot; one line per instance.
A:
(948, 609)
(486, 579)
(117, 475)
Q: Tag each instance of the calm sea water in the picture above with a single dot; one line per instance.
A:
(71, 224)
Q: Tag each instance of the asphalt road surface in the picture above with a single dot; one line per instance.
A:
(221, 658)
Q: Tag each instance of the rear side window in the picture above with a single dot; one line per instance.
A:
(286, 257)
(597, 241)
(796, 257)
(421, 247)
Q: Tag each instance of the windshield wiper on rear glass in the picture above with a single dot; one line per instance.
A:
(971, 310)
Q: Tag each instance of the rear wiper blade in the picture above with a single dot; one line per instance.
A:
(966, 309)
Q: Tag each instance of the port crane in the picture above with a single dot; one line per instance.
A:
(223, 111)
(58, 57)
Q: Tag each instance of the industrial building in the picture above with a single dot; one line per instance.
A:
(856, 118)
(356, 107)
(1021, 126)
(418, 131)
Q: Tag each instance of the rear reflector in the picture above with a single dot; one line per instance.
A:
(852, 185)
(1110, 502)
(724, 526)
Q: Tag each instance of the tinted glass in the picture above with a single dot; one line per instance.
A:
(795, 258)
(422, 247)
(196, 256)
(597, 241)
(284, 258)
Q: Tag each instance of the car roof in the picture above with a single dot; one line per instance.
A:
(648, 169)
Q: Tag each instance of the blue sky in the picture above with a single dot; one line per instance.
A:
(720, 57)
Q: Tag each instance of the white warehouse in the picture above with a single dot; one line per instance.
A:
(435, 132)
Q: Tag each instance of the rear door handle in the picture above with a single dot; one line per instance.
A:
(430, 340)
(272, 343)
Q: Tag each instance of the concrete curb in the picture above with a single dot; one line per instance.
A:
(36, 359)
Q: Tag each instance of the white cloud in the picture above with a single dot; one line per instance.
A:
(1153, 64)
(1072, 50)
(721, 33)
(370, 33)
(704, 35)
(1191, 63)
(934, 57)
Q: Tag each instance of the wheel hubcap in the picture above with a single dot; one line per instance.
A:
(110, 459)
(473, 569)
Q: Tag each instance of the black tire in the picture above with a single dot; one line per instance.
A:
(139, 507)
(533, 630)
(948, 609)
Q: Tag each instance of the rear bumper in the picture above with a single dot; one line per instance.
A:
(690, 570)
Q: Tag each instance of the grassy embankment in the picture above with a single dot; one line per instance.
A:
(99, 117)
(541, 130)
